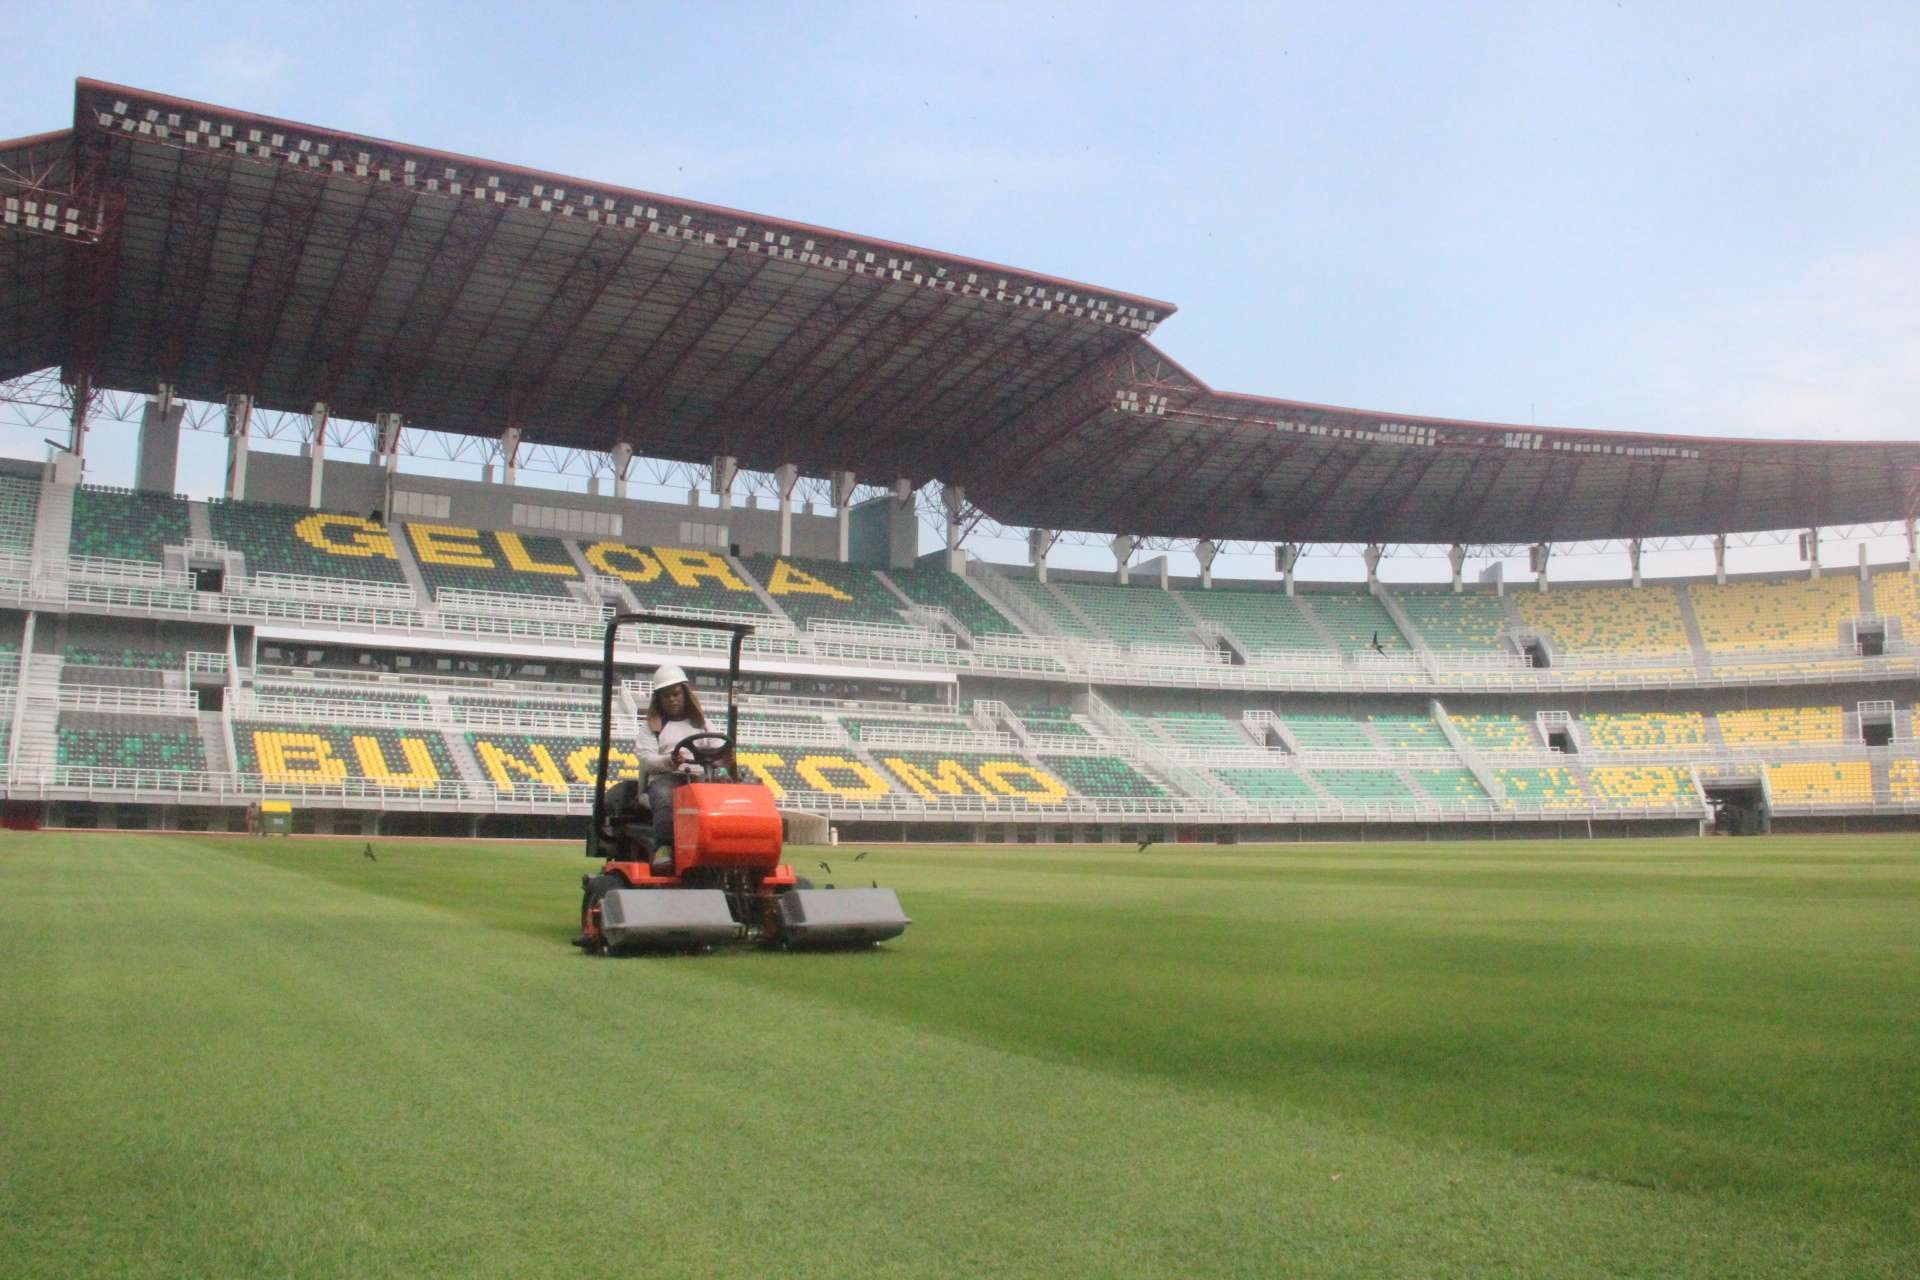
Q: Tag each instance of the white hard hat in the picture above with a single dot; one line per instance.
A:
(668, 675)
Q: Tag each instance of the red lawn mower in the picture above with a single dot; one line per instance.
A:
(726, 882)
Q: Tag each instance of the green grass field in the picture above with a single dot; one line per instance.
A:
(1681, 1058)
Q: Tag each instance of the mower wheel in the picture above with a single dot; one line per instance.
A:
(593, 889)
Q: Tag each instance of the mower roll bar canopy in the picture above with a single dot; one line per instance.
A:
(739, 630)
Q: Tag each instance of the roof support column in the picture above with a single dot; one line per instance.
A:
(157, 459)
(1457, 558)
(316, 454)
(1039, 542)
(1121, 545)
(1864, 575)
(239, 421)
(903, 527)
(1537, 558)
(620, 457)
(1371, 555)
(841, 484)
(82, 405)
(1913, 550)
(386, 434)
(1285, 556)
(1204, 551)
(510, 456)
(1720, 558)
(785, 476)
(725, 468)
(1633, 558)
(1810, 551)
(953, 499)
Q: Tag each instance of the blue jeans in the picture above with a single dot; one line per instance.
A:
(660, 789)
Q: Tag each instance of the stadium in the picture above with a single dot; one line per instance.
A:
(391, 652)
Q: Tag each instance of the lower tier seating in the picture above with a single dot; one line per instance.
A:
(804, 771)
(1821, 782)
(1551, 788)
(1003, 779)
(1288, 785)
(1634, 731)
(1653, 785)
(1451, 786)
(1903, 781)
(1363, 786)
(1054, 722)
(1409, 733)
(1316, 732)
(518, 762)
(114, 741)
(1107, 777)
(1496, 733)
(327, 755)
(1201, 729)
(128, 657)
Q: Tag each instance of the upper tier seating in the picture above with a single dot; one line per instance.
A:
(314, 544)
(1056, 722)
(1762, 616)
(540, 763)
(675, 577)
(1451, 786)
(1635, 731)
(826, 589)
(1650, 785)
(1773, 726)
(1821, 782)
(9, 663)
(1318, 732)
(457, 558)
(862, 725)
(129, 657)
(1607, 620)
(344, 701)
(1041, 597)
(112, 741)
(508, 705)
(123, 525)
(930, 584)
(1134, 615)
(1363, 786)
(1896, 593)
(289, 755)
(941, 775)
(1355, 620)
(1201, 729)
(1269, 784)
(19, 510)
(1551, 788)
(1496, 733)
(1445, 621)
(1410, 733)
(1903, 781)
(1108, 777)
(1263, 621)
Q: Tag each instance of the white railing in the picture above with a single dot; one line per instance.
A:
(89, 697)
(557, 608)
(879, 635)
(1191, 655)
(301, 586)
(143, 572)
(206, 664)
(763, 624)
(875, 737)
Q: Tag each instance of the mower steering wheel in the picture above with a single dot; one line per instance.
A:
(704, 749)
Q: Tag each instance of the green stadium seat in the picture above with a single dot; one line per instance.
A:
(1550, 788)
(1496, 733)
(128, 657)
(1363, 786)
(1263, 621)
(1134, 615)
(1288, 785)
(1445, 621)
(932, 585)
(316, 544)
(120, 524)
(1410, 733)
(826, 589)
(1319, 732)
(287, 755)
(676, 577)
(973, 777)
(19, 512)
(1106, 777)
(457, 558)
(1354, 620)
(1451, 786)
(163, 744)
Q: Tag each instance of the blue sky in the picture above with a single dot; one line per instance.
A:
(1695, 219)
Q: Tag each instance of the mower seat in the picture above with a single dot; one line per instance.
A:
(629, 822)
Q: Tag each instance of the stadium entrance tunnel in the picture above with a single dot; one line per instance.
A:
(1739, 808)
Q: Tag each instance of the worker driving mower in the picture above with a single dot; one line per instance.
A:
(692, 857)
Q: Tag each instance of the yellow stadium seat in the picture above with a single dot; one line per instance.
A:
(1770, 726)
(1821, 782)
(1610, 620)
(1768, 616)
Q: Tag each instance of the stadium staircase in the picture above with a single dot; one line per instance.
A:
(1152, 761)
(53, 530)
(410, 570)
(1702, 661)
(1067, 602)
(1880, 762)
(216, 739)
(760, 591)
(38, 748)
(199, 524)
(1415, 639)
(1319, 625)
(1486, 776)
(1003, 596)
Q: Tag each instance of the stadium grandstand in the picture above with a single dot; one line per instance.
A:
(403, 652)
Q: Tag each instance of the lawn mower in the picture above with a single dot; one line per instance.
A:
(724, 880)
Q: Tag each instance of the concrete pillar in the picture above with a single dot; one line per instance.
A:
(1633, 558)
(386, 435)
(725, 468)
(1371, 554)
(953, 499)
(1864, 575)
(1285, 556)
(1537, 561)
(510, 456)
(1720, 558)
(1457, 558)
(842, 484)
(1913, 550)
(1204, 551)
(1039, 542)
(1811, 549)
(1121, 545)
(620, 458)
(239, 422)
(316, 454)
(785, 476)
(157, 457)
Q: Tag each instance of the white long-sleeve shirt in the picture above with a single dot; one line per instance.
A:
(656, 749)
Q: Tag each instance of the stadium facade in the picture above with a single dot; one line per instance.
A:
(406, 653)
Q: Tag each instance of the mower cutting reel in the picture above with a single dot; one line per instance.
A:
(726, 881)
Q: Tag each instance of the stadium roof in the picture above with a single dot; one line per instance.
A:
(166, 241)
